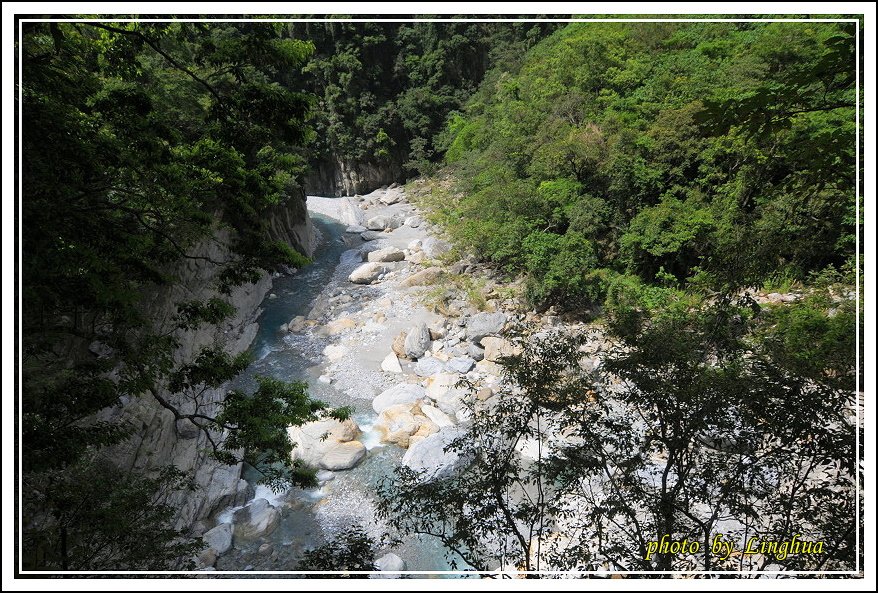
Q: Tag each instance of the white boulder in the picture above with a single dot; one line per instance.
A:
(343, 455)
(368, 273)
(429, 457)
(257, 519)
(391, 364)
(387, 254)
(404, 393)
(219, 538)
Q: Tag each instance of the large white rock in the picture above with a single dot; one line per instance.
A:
(429, 366)
(391, 364)
(413, 221)
(389, 562)
(257, 519)
(417, 341)
(313, 440)
(368, 272)
(439, 418)
(387, 254)
(429, 457)
(484, 324)
(219, 538)
(382, 222)
(404, 393)
(343, 456)
(441, 389)
(441, 383)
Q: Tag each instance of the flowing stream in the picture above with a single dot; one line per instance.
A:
(311, 517)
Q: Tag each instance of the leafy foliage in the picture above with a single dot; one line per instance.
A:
(353, 550)
(95, 516)
(145, 147)
(710, 150)
(692, 426)
(385, 89)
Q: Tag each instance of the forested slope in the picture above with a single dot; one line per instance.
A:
(708, 156)
(383, 91)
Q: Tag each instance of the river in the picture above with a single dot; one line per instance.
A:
(311, 517)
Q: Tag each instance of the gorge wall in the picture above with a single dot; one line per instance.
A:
(158, 439)
(339, 176)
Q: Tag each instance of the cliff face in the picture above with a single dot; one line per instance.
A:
(160, 440)
(342, 177)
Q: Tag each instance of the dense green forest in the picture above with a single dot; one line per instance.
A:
(655, 177)
(139, 144)
(383, 90)
(704, 156)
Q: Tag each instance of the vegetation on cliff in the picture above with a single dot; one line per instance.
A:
(141, 142)
(706, 156)
(383, 90)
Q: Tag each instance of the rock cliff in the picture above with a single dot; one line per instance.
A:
(342, 177)
(159, 440)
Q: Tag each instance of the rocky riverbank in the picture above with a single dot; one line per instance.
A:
(400, 323)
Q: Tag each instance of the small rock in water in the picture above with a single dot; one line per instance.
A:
(272, 296)
(325, 379)
(257, 519)
(324, 475)
(389, 562)
(356, 229)
(266, 549)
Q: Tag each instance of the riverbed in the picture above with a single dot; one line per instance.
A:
(377, 313)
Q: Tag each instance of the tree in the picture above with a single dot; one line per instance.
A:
(141, 144)
(719, 150)
(352, 550)
(693, 425)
